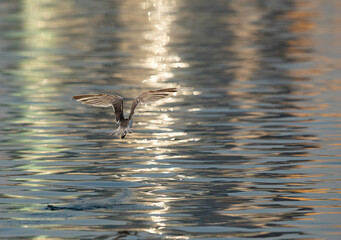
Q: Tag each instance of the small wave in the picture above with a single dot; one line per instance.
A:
(87, 204)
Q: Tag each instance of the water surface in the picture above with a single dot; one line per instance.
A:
(248, 148)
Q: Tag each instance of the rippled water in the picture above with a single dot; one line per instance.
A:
(249, 146)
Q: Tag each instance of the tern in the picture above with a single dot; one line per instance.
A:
(116, 102)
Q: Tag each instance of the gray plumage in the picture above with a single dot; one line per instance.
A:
(116, 102)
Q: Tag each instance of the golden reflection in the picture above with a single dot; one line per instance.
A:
(158, 57)
(302, 24)
(159, 220)
(160, 60)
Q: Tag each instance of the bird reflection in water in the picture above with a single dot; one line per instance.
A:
(116, 102)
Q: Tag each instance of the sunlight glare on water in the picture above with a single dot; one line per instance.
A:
(249, 146)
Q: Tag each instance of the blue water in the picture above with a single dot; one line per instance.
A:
(249, 147)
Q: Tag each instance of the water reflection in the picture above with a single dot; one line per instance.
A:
(160, 61)
(248, 148)
(158, 56)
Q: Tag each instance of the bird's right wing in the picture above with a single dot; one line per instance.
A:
(103, 100)
(150, 96)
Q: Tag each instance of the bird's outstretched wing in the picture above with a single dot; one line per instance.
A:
(103, 100)
(150, 96)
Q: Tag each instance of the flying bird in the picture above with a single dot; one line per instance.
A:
(116, 102)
